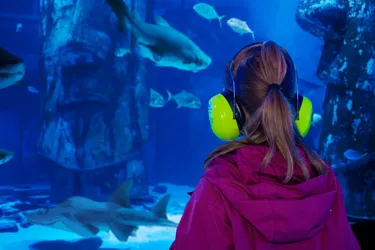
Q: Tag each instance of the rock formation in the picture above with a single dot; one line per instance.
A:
(94, 99)
(347, 67)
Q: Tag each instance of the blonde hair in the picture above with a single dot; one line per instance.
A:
(269, 116)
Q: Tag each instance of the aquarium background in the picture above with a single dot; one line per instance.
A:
(92, 126)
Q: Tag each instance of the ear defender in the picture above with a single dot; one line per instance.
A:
(304, 114)
(227, 123)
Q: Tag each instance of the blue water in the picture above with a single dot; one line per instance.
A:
(90, 123)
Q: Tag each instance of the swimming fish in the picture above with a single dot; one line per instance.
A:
(5, 156)
(315, 119)
(18, 27)
(185, 99)
(160, 43)
(240, 27)
(156, 99)
(12, 69)
(208, 12)
(354, 155)
(121, 52)
(32, 89)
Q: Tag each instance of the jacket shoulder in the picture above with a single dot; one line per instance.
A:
(206, 192)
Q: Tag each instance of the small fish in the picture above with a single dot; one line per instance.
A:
(32, 89)
(240, 27)
(208, 12)
(185, 99)
(156, 99)
(315, 119)
(354, 155)
(121, 52)
(5, 156)
(18, 27)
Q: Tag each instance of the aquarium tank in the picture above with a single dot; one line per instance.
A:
(105, 103)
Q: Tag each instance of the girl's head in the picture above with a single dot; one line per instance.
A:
(269, 115)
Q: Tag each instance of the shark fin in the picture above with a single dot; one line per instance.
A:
(161, 21)
(156, 51)
(122, 231)
(160, 209)
(121, 195)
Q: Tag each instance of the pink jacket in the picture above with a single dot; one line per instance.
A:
(236, 206)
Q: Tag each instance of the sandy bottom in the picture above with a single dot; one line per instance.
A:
(155, 238)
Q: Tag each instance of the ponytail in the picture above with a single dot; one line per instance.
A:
(269, 117)
(280, 132)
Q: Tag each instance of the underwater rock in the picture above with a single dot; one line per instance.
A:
(18, 217)
(8, 226)
(347, 66)
(94, 103)
(136, 172)
(8, 208)
(324, 19)
(15, 201)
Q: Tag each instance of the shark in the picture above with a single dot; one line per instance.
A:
(160, 42)
(87, 218)
(12, 69)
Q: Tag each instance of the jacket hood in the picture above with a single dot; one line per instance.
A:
(282, 213)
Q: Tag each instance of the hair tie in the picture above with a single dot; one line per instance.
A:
(273, 86)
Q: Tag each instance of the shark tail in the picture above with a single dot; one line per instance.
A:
(122, 12)
(170, 96)
(220, 20)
